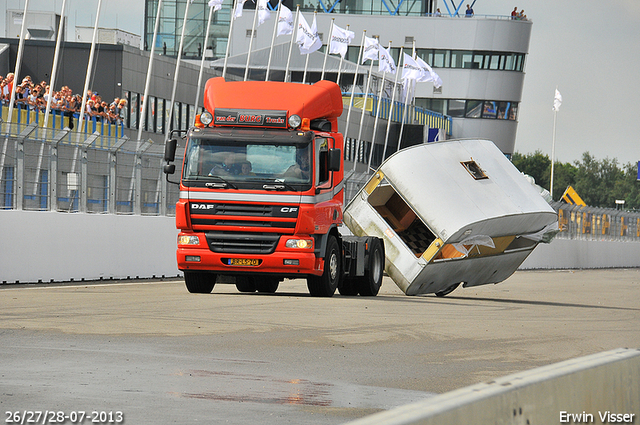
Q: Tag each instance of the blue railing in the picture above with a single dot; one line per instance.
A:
(416, 114)
(58, 120)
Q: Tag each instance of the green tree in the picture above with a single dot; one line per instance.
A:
(599, 183)
(537, 165)
(564, 175)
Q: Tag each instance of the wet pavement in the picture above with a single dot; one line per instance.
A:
(160, 355)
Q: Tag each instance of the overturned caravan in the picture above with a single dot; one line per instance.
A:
(451, 212)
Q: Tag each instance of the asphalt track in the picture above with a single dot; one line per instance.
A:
(160, 355)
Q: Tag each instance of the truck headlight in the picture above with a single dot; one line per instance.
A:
(295, 121)
(299, 243)
(188, 240)
(206, 118)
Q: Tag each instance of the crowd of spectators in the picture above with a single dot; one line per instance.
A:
(34, 97)
(518, 16)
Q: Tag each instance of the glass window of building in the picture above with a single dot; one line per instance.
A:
(490, 109)
(456, 108)
(135, 108)
(473, 109)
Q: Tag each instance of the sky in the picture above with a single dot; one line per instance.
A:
(588, 49)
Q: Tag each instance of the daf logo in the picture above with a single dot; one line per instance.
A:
(202, 206)
(288, 209)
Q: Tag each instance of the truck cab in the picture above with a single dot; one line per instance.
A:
(261, 191)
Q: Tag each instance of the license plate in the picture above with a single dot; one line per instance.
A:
(243, 261)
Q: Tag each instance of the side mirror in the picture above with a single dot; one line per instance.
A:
(170, 150)
(335, 158)
(169, 169)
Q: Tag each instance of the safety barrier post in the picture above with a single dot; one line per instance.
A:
(113, 152)
(137, 200)
(85, 170)
(20, 164)
(53, 169)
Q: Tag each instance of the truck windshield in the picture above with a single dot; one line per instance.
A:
(247, 164)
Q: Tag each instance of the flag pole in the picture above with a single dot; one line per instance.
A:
(326, 51)
(54, 68)
(306, 61)
(177, 70)
(232, 19)
(340, 66)
(405, 111)
(353, 86)
(273, 40)
(364, 106)
(393, 100)
(148, 80)
(18, 64)
(89, 66)
(553, 149)
(375, 122)
(206, 40)
(253, 32)
(293, 36)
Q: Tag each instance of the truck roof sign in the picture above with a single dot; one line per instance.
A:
(250, 118)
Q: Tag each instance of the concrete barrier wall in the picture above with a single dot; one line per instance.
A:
(52, 246)
(606, 384)
(583, 254)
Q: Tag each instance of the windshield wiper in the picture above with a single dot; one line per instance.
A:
(223, 184)
(280, 185)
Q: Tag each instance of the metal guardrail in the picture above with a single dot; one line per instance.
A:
(415, 115)
(591, 223)
(60, 120)
(59, 170)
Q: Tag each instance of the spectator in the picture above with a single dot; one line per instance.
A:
(438, 14)
(21, 98)
(70, 108)
(122, 109)
(469, 12)
(8, 87)
(514, 13)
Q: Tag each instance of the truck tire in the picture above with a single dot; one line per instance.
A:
(447, 290)
(369, 284)
(245, 284)
(268, 285)
(326, 284)
(199, 283)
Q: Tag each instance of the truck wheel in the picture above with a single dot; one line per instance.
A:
(268, 285)
(199, 283)
(326, 285)
(369, 284)
(245, 284)
(348, 287)
(447, 291)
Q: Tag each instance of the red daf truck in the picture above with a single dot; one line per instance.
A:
(262, 192)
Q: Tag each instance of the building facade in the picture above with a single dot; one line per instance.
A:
(481, 60)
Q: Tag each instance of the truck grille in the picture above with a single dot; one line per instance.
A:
(242, 243)
(206, 215)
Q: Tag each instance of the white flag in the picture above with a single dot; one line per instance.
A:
(370, 49)
(410, 70)
(340, 39)
(263, 11)
(216, 4)
(285, 21)
(238, 11)
(307, 37)
(557, 101)
(428, 74)
(386, 63)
